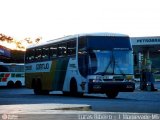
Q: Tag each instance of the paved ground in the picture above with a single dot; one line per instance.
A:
(156, 85)
(23, 103)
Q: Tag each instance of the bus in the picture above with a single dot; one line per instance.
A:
(82, 63)
(12, 75)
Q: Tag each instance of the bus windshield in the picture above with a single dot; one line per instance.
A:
(110, 62)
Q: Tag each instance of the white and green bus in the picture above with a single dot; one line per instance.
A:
(82, 63)
(12, 75)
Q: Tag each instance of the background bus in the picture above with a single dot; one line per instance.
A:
(11, 75)
(84, 63)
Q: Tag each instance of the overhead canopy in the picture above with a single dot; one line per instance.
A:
(4, 51)
(141, 44)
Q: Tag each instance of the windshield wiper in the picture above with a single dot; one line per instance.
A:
(113, 61)
(121, 71)
(106, 69)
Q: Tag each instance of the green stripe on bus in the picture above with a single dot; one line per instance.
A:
(60, 73)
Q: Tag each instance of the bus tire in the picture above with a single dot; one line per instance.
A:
(111, 94)
(41, 92)
(44, 92)
(10, 84)
(66, 93)
(18, 84)
(73, 87)
(37, 87)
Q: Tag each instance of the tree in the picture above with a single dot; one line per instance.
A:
(18, 43)
(6, 38)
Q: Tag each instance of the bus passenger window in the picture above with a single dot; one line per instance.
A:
(53, 51)
(62, 50)
(29, 55)
(38, 54)
(82, 45)
(71, 47)
(4, 68)
(45, 53)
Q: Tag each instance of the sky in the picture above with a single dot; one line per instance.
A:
(51, 19)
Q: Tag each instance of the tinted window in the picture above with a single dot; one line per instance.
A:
(11, 68)
(82, 56)
(27, 55)
(108, 42)
(16, 68)
(82, 45)
(4, 68)
(45, 53)
(53, 51)
(62, 49)
(30, 55)
(71, 47)
(38, 54)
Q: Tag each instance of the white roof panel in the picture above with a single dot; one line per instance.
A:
(77, 35)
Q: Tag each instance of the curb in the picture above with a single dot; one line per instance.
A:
(38, 108)
(79, 108)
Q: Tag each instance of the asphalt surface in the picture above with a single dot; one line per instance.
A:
(24, 104)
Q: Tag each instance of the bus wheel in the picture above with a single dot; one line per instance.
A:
(45, 92)
(41, 92)
(112, 94)
(10, 84)
(66, 93)
(73, 87)
(18, 84)
(37, 87)
(36, 91)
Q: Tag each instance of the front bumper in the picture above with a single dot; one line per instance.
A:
(102, 87)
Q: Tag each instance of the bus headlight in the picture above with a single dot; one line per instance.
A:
(95, 80)
(129, 77)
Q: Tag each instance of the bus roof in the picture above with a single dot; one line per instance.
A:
(77, 35)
